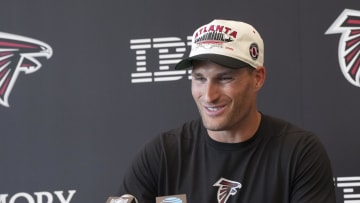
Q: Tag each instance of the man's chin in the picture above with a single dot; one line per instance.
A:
(213, 126)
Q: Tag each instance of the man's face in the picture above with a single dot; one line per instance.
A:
(225, 97)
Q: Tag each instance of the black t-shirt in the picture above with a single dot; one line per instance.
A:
(281, 163)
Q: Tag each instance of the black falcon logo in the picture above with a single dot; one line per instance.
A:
(18, 54)
(348, 25)
(226, 188)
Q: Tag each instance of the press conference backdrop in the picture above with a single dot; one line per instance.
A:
(84, 84)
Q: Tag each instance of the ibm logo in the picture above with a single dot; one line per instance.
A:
(170, 50)
(350, 188)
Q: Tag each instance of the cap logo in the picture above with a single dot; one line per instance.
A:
(214, 34)
(254, 51)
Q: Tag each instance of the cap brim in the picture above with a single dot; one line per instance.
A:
(215, 58)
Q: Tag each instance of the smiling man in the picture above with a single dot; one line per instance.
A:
(226, 99)
(233, 153)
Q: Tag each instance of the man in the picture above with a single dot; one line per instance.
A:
(233, 153)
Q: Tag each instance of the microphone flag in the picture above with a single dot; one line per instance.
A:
(172, 199)
(123, 199)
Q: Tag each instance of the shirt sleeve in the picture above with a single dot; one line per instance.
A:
(313, 180)
(140, 180)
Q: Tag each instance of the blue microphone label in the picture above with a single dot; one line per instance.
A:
(172, 199)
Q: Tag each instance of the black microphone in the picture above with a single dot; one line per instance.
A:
(127, 198)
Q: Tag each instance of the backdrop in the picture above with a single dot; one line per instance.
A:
(84, 84)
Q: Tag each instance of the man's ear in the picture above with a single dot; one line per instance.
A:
(260, 75)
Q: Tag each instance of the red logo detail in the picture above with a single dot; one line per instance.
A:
(348, 24)
(18, 54)
(254, 51)
(226, 189)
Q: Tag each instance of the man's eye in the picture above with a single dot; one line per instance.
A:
(199, 79)
(225, 78)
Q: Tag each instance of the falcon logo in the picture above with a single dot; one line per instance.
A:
(226, 188)
(18, 54)
(348, 24)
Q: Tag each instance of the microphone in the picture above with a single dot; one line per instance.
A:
(127, 198)
(172, 199)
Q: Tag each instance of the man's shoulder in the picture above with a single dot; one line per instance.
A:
(192, 126)
(281, 127)
(186, 136)
(187, 131)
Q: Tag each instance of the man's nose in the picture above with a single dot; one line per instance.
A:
(211, 92)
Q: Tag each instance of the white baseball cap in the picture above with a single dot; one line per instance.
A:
(232, 44)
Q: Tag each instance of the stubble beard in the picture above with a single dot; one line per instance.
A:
(228, 121)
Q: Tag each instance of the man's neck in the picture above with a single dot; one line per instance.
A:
(240, 133)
